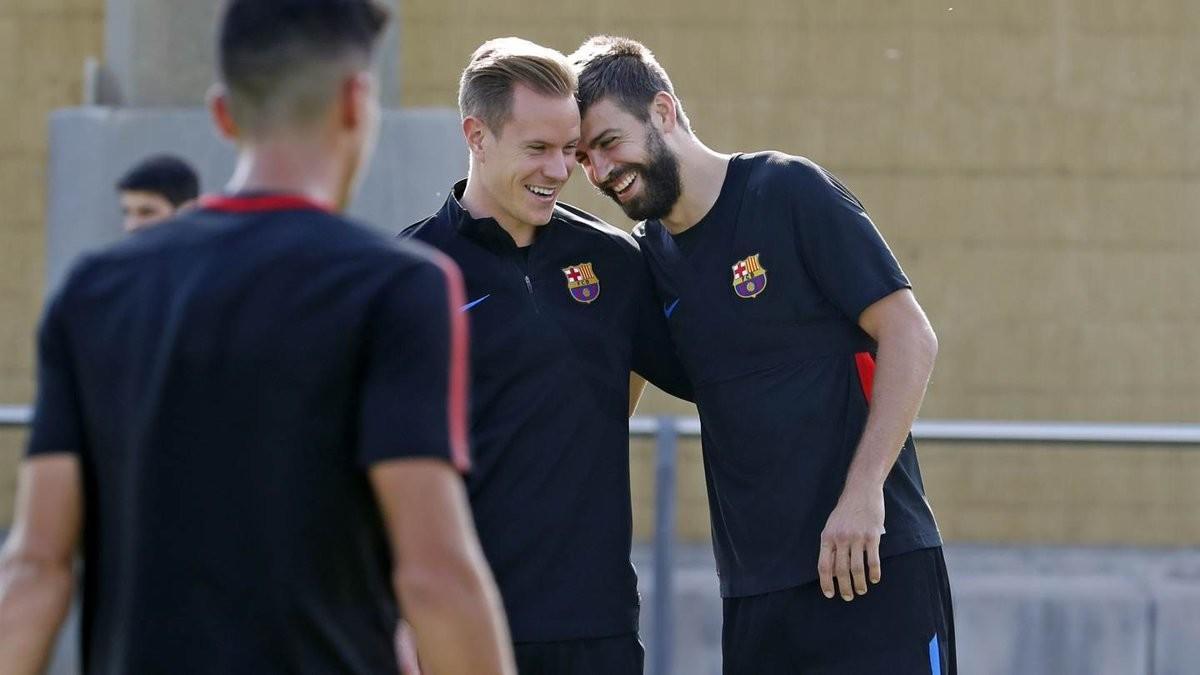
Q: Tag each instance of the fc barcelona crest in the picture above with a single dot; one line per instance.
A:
(749, 277)
(582, 282)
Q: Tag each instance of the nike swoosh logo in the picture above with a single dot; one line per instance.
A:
(669, 309)
(471, 304)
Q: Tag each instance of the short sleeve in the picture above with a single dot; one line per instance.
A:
(841, 248)
(414, 384)
(57, 414)
(654, 354)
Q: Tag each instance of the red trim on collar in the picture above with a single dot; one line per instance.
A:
(260, 203)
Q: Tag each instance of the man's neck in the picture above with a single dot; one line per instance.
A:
(292, 167)
(701, 176)
(479, 204)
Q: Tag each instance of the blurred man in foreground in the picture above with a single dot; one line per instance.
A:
(155, 189)
(255, 417)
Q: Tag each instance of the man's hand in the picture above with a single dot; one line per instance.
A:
(851, 534)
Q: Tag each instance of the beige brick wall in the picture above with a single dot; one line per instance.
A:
(11, 441)
(1143, 496)
(1036, 167)
(43, 44)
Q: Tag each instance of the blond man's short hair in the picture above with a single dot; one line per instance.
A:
(485, 90)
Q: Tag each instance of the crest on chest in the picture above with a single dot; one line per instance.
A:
(582, 282)
(749, 277)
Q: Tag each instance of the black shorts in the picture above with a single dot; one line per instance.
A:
(620, 655)
(904, 625)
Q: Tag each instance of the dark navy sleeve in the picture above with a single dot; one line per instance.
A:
(839, 245)
(654, 355)
(414, 389)
(58, 416)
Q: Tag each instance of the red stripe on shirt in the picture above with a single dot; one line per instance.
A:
(866, 372)
(456, 404)
(261, 203)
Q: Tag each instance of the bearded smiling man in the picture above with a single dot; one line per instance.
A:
(813, 484)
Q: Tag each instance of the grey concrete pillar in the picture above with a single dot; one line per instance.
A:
(387, 61)
(161, 53)
(420, 154)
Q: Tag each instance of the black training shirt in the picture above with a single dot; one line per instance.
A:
(763, 297)
(226, 379)
(556, 329)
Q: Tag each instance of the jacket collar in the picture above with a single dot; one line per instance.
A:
(484, 231)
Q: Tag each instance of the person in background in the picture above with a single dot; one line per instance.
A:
(155, 189)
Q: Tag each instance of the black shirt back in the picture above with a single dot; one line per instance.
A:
(225, 379)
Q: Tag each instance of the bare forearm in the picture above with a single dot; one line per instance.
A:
(458, 621)
(904, 363)
(34, 597)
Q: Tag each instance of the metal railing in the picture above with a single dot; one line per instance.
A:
(15, 415)
(667, 430)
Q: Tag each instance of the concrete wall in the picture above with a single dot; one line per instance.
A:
(159, 53)
(1027, 610)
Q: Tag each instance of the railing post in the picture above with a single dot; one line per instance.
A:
(664, 546)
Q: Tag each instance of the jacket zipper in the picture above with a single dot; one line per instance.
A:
(523, 271)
